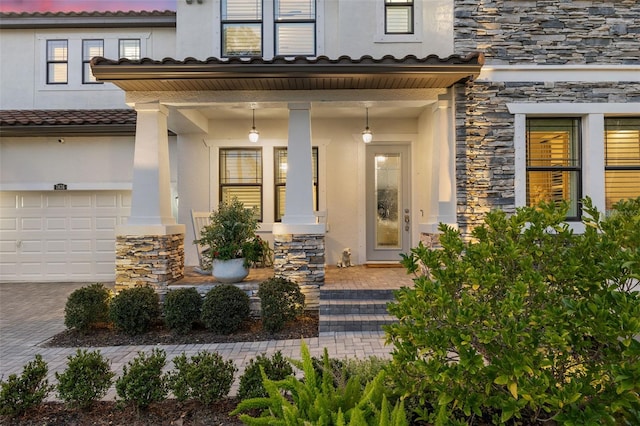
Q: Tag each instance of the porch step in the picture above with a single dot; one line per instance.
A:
(354, 310)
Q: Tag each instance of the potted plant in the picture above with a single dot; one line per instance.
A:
(232, 241)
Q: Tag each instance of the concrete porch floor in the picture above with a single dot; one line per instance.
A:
(351, 278)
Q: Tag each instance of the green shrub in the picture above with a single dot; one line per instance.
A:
(224, 309)
(316, 400)
(275, 367)
(142, 381)
(133, 310)
(87, 306)
(205, 377)
(86, 379)
(280, 301)
(19, 394)
(182, 308)
(527, 320)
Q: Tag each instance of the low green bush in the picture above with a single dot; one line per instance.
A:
(205, 377)
(182, 308)
(21, 393)
(87, 306)
(142, 381)
(275, 367)
(316, 400)
(86, 379)
(280, 301)
(134, 310)
(526, 320)
(225, 308)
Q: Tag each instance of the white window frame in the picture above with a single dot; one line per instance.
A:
(593, 135)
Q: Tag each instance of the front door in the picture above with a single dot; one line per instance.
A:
(388, 226)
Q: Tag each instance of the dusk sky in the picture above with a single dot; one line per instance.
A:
(84, 5)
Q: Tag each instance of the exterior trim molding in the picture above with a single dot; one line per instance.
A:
(559, 73)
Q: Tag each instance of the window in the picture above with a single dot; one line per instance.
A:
(280, 174)
(398, 16)
(129, 48)
(553, 162)
(241, 176)
(57, 61)
(295, 27)
(241, 27)
(622, 159)
(90, 49)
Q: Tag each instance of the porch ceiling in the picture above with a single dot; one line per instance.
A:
(257, 74)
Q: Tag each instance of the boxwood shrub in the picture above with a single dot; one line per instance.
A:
(225, 308)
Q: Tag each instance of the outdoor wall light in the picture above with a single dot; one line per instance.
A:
(254, 135)
(367, 136)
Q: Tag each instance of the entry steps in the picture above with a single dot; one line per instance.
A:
(354, 310)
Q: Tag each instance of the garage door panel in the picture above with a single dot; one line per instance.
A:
(80, 223)
(106, 223)
(31, 224)
(81, 269)
(105, 246)
(80, 200)
(56, 200)
(8, 224)
(8, 200)
(80, 246)
(57, 247)
(31, 201)
(31, 246)
(106, 200)
(8, 247)
(56, 224)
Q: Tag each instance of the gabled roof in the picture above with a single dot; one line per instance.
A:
(67, 122)
(119, 19)
(281, 73)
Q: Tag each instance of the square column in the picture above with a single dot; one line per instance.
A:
(150, 247)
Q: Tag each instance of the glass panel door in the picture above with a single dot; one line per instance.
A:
(388, 214)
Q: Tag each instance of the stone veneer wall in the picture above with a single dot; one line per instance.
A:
(545, 32)
(155, 260)
(301, 259)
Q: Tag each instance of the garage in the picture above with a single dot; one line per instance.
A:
(60, 235)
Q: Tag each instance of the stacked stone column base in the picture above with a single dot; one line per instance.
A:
(155, 260)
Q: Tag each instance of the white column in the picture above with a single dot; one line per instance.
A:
(151, 195)
(446, 139)
(298, 216)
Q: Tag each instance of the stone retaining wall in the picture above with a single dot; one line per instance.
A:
(155, 260)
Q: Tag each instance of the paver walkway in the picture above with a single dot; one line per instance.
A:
(31, 313)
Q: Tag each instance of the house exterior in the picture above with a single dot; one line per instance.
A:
(472, 106)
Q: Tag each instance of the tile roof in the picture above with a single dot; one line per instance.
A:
(16, 122)
(85, 14)
(119, 19)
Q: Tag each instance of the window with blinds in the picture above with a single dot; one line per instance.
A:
(241, 27)
(90, 49)
(280, 174)
(398, 17)
(295, 27)
(622, 159)
(241, 176)
(553, 162)
(57, 61)
(129, 49)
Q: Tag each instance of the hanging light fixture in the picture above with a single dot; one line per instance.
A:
(367, 136)
(254, 135)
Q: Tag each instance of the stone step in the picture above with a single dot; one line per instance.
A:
(354, 309)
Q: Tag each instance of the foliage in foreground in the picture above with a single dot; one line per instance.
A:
(205, 377)
(87, 306)
(275, 367)
(280, 301)
(528, 320)
(86, 379)
(317, 400)
(21, 393)
(142, 381)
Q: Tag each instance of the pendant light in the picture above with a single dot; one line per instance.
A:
(367, 136)
(254, 135)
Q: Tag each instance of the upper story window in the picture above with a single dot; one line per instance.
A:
(129, 48)
(241, 27)
(288, 27)
(90, 49)
(295, 27)
(622, 159)
(554, 162)
(57, 61)
(280, 181)
(398, 16)
(241, 176)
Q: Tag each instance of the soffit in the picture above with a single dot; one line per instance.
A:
(300, 73)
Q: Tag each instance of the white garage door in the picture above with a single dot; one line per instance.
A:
(60, 235)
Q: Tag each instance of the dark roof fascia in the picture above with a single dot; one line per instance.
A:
(67, 130)
(87, 20)
(279, 67)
